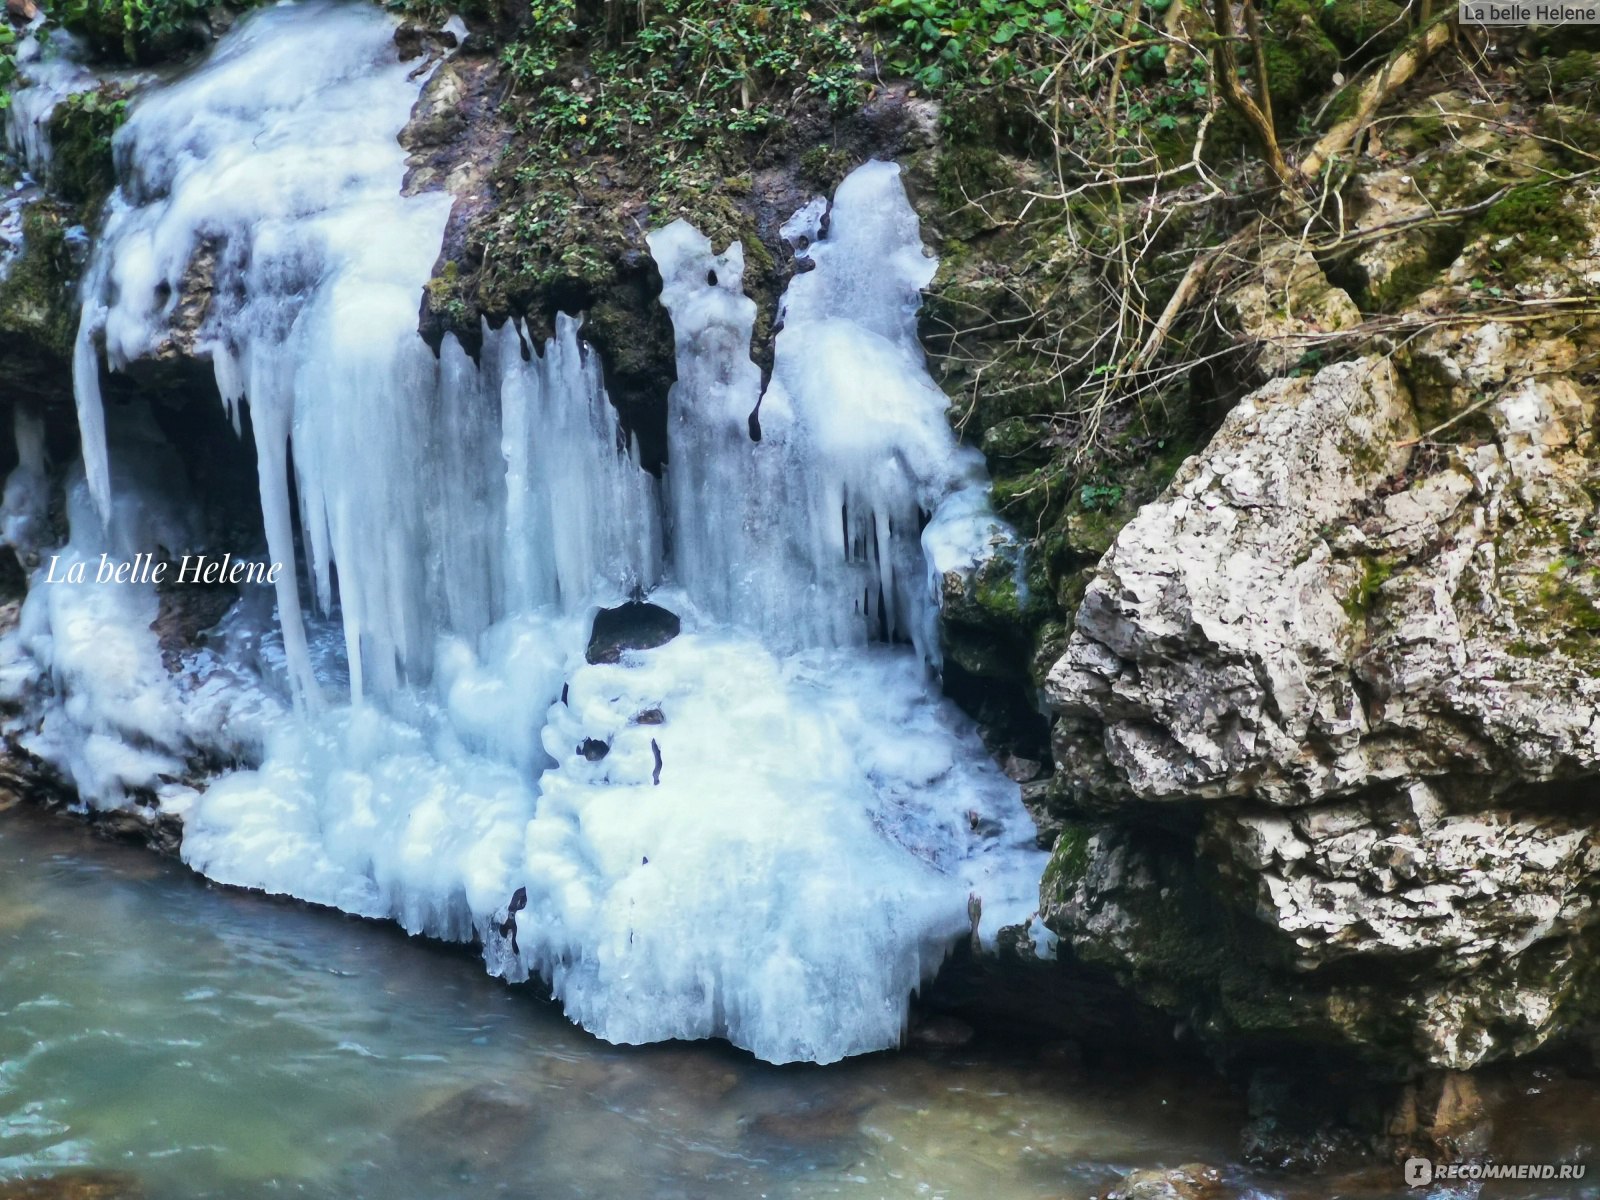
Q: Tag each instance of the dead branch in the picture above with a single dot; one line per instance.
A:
(1374, 93)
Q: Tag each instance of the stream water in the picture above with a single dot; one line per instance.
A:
(215, 1043)
(218, 1043)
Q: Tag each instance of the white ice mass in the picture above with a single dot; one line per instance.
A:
(409, 728)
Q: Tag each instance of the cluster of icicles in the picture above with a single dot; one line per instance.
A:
(766, 829)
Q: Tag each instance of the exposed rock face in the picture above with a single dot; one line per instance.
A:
(632, 626)
(1347, 683)
(1284, 295)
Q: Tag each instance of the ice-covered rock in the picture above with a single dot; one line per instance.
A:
(770, 827)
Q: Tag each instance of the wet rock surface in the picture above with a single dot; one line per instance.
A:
(1193, 1181)
(75, 1185)
(632, 626)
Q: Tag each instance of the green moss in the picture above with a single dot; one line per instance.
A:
(1576, 72)
(1539, 224)
(1015, 440)
(1027, 498)
(1375, 573)
(1050, 642)
(1403, 284)
(1069, 863)
(966, 178)
(81, 129)
(995, 590)
(621, 131)
(1448, 179)
(36, 308)
(1365, 27)
(1573, 134)
(1301, 59)
(823, 167)
(138, 31)
(444, 295)
(1421, 263)
(1569, 610)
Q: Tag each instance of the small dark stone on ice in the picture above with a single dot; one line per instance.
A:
(594, 749)
(636, 625)
(650, 716)
(508, 927)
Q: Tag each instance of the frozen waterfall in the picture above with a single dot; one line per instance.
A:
(766, 829)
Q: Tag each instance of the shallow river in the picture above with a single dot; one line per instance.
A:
(218, 1044)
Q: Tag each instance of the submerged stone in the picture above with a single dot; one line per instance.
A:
(75, 1185)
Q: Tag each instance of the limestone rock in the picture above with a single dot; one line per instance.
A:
(1368, 673)
(1285, 296)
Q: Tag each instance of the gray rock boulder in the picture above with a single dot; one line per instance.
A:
(1331, 710)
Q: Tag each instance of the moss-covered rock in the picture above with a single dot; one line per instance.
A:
(37, 316)
(144, 32)
(1365, 28)
(1301, 59)
(81, 128)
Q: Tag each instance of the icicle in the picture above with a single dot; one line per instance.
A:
(91, 412)
(761, 828)
(25, 505)
(272, 468)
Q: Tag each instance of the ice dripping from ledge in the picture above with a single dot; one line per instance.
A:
(51, 71)
(800, 855)
(278, 159)
(815, 534)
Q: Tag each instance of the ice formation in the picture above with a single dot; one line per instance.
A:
(813, 534)
(766, 829)
(52, 72)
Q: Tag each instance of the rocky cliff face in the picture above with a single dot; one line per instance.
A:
(1329, 708)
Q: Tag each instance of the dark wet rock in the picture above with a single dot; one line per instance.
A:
(940, 1032)
(186, 611)
(1193, 1181)
(479, 1124)
(1063, 1056)
(1309, 1120)
(633, 626)
(808, 1122)
(1019, 769)
(1441, 1116)
(38, 313)
(650, 716)
(693, 1073)
(13, 586)
(75, 1185)
(594, 749)
(144, 824)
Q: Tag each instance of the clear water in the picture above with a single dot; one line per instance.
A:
(215, 1043)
